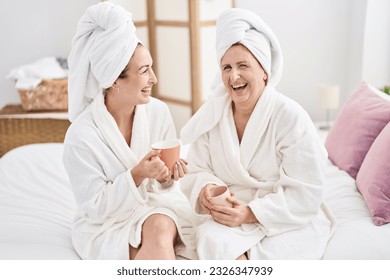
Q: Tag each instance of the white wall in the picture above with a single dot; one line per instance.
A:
(355, 47)
(376, 46)
(32, 29)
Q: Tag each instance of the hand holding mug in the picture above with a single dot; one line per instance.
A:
(220, 195)
(169, 153)
(212, 194)
(180, 169)
(204, 198)
(150, 166)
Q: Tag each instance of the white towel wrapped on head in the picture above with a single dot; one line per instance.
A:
(104, 42)
(245, 27)
(236, 26)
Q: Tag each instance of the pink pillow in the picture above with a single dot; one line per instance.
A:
(362, 118)
(373, 179)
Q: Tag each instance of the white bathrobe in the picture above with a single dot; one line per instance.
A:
(111, 207)
(277, 170)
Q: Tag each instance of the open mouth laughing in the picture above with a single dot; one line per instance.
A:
(146, 91)
(239, 87)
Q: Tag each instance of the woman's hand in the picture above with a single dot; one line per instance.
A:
(233, 217)
(204, 198)
(151, 166)
(180, 169)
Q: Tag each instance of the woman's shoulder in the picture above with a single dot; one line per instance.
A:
(290, 110)
(288, 105)
(290, 117)
(81, 128)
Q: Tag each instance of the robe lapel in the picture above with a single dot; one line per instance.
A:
(230, 145)
(257, 124)
(140, 139)
(238, 156)
(111, 133)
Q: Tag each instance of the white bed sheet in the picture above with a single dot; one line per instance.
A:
(356, 236)
(37, 206)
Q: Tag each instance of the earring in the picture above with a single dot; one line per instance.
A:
(265, 77)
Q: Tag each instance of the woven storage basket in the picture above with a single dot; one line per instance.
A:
(49, 95)
(19, 131)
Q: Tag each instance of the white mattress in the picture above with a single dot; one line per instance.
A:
(356, 236)
(37, 206)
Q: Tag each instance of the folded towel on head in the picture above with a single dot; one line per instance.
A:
(104, 42)
(236, 26)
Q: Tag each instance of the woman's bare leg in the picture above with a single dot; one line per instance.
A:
(132, 252)
(158, 238)
(242, 257)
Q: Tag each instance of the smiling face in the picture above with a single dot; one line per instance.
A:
(243, 76)
(136, 80)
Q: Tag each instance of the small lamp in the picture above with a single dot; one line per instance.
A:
(328, 99)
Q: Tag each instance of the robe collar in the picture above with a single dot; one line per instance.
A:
(140, 140)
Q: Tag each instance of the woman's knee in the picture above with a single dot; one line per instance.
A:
(159, 227)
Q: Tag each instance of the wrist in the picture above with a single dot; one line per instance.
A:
(137, 177)
(250, 217)
(167, 183)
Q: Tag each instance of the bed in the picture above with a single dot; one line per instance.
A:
(37, 206)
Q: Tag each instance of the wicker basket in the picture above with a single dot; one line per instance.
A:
(50, 95)
(18, 128)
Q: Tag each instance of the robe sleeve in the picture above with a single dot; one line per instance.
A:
(96, 195)
(297, 194)
(200, 171)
